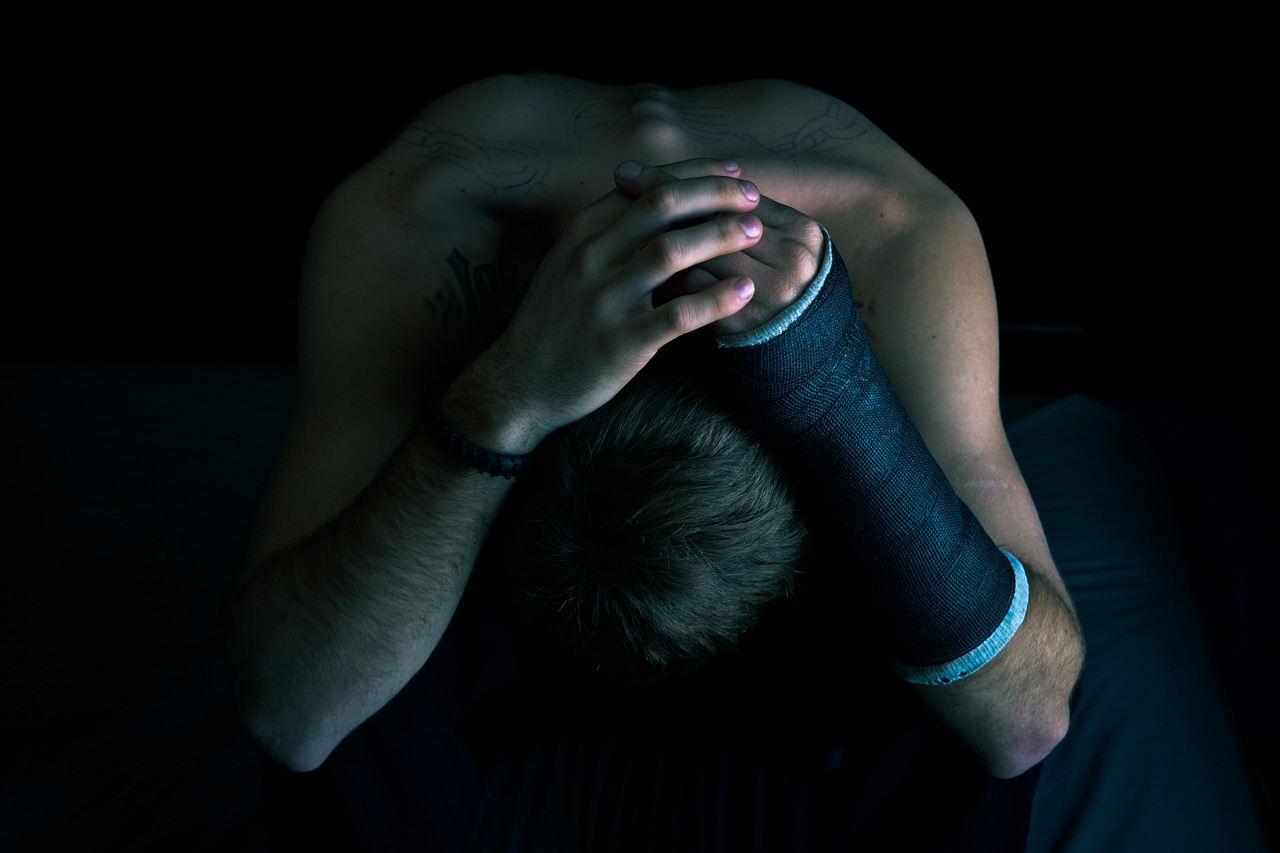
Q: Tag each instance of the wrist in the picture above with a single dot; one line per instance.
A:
(487, 413)
(474, 456)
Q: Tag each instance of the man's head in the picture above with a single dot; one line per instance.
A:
(652, 534)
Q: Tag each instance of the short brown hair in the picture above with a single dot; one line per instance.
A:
(652, 534)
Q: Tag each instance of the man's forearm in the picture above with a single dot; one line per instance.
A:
(325, 633)
(936, 584)
(948, 604)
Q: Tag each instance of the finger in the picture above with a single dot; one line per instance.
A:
(775, 214)
(769, 253)
(699, 167)
(796, 246)
(676, 203)
(672, 206)
(673, 252)
(688, 281)
(633, 177)
(791, 241)
(714, 211)
(686, 314)
(778, 249)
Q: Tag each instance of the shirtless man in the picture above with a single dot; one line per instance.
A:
(498, 252)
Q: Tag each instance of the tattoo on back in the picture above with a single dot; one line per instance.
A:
(834, 129)
(502, 165)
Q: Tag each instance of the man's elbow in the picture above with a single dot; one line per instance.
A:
(300, 758)
(299, 748)
(1017, 754)
(268, 702)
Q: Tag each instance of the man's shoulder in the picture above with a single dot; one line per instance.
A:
(491, 148)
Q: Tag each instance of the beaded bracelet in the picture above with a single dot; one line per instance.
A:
(493, 464)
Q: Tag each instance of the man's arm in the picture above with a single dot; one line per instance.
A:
(922, 282)
(368, 532)
(929, 307)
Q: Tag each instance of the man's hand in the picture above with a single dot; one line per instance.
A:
(781, 263)
(590, 321)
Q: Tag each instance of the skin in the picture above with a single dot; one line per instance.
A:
(498, 235)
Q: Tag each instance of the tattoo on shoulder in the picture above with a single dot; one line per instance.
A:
(502, 165)
(478, 302)
(830, 131)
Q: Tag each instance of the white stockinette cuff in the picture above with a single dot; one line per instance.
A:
(792, 312)
(968, 664)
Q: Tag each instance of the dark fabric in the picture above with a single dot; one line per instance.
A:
(1152, 761)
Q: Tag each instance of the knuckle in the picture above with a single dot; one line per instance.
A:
(801, 250)
(810, 234)
(581, 222)
(584, 258)
(683, 316)
(663, 200)
(796, 255)
(668, 251)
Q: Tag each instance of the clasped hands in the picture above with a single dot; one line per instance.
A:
(671, 250)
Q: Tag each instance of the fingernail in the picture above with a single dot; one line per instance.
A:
(629, 170)
(751, 225)
(731, 166)
(745, 287)
(750, 191)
